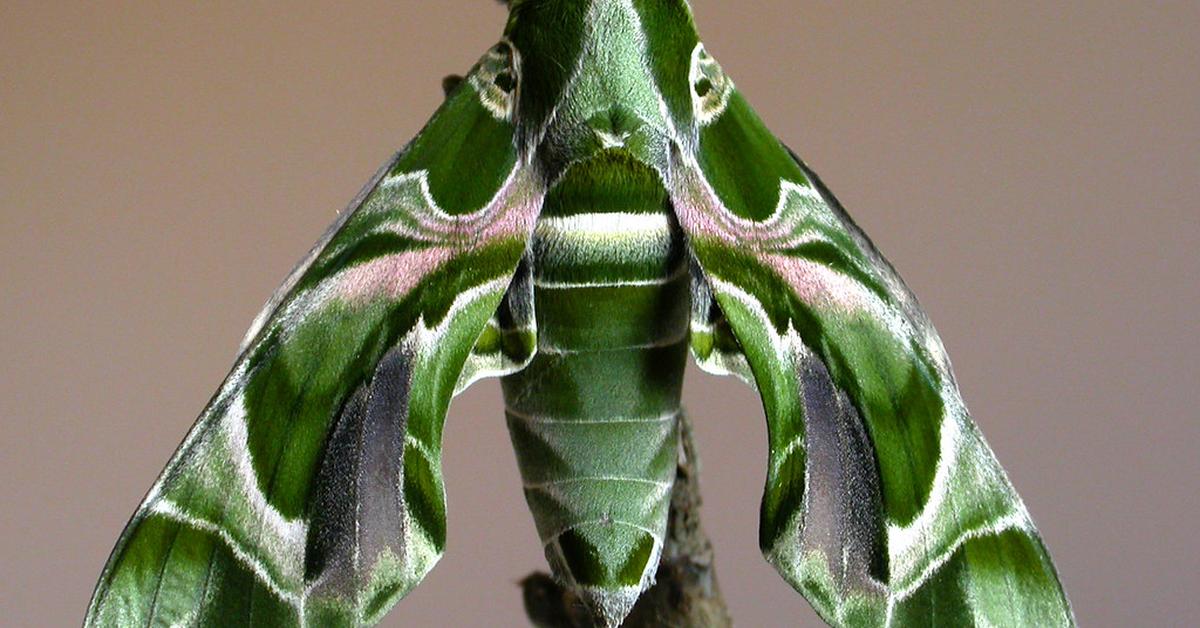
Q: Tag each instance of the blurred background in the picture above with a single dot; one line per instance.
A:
(1030, 168)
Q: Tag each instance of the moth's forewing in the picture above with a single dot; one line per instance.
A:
(882, 502)
(310, 489)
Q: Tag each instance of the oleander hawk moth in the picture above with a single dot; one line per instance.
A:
(592, 202)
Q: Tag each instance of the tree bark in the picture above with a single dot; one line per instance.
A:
(685, 592)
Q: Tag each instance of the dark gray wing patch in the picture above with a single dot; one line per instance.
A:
(843, 518)
(359, 501)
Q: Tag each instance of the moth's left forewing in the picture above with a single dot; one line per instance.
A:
(882, 502)
(309, 491)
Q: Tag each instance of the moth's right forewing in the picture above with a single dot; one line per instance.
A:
(883, 503)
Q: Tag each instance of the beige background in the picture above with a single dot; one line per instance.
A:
(1031, 168)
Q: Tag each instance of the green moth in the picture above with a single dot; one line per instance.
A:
(594, 201)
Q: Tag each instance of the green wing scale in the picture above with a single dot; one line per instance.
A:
(883, 503)
(593, 200)
(309, 491)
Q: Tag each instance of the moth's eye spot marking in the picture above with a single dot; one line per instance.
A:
(505, 81)
(496, 78)
(710, 86)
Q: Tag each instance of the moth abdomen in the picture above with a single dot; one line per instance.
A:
(593, 417)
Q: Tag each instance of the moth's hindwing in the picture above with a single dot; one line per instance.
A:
(883, 503)
(309, 492)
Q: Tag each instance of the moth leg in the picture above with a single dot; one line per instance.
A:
(509, 340)
(713, 345)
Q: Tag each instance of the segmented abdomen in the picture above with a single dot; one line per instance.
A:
(593, 416)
